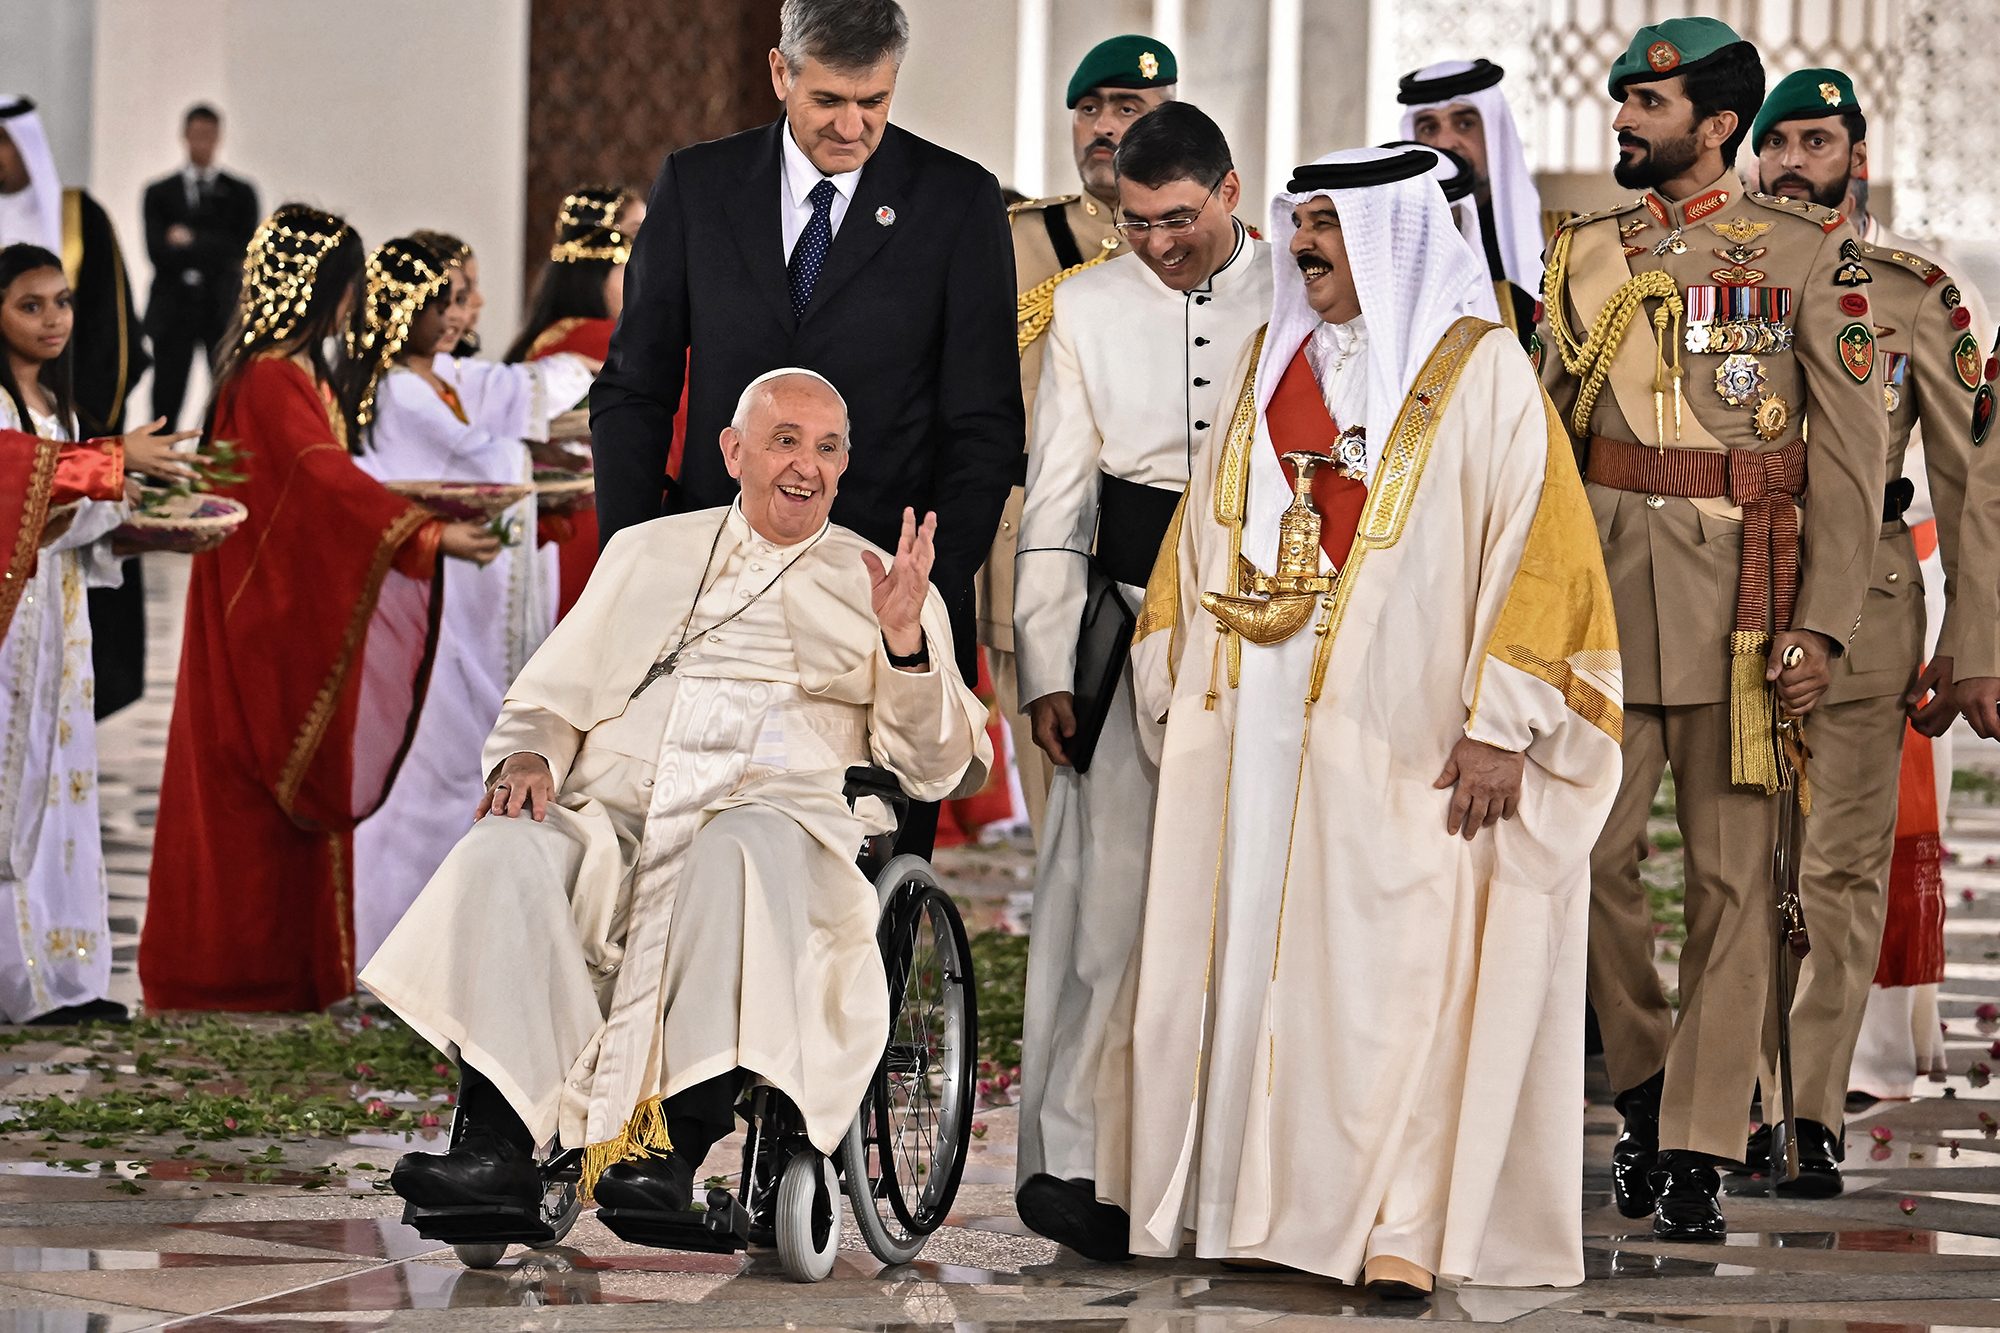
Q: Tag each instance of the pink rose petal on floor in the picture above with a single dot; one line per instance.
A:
(1907, 1205)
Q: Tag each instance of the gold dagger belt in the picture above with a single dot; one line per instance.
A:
(1281, 603)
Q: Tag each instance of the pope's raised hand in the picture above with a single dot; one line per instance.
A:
(898, 592)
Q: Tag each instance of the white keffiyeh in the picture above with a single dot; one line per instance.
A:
(33, 215)
(1517, 205)
(1414, 274)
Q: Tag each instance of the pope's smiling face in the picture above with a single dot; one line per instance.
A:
(788, 452)
(1320, 249)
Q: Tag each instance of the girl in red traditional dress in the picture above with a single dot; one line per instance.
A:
(576, 305)
(307, 649)
(60, 499)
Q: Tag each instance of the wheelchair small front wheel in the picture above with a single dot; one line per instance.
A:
(480, 1256)
(808, 1217)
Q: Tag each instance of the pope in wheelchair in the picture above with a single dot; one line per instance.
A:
(658, 907)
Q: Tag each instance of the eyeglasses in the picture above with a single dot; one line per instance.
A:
(1134, 232)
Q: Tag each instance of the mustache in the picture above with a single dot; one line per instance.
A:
(1101, 142)
(1791, 178)
(1627, 139)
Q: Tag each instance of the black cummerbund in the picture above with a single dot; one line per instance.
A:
(1132, 521)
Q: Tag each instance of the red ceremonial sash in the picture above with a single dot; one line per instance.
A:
(1298, 420)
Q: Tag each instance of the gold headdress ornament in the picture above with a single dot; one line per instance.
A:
(586, 227)
(403, 276)
(444, 245)
(279, 270)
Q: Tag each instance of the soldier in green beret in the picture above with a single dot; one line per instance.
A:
(1687, 338)
(1811, 144)
(1119, 80)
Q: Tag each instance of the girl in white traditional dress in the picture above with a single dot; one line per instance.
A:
(443, 417)
(55, 935)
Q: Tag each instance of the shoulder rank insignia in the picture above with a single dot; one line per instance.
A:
(1036, 205)
(1658, 210)
(1857, 351)
(1931, 273)
(1702, 205)
(1950, 296)
(1966, 360)
(1982, 414)
(1572, 220)
(1630, 229)
(1826, 219)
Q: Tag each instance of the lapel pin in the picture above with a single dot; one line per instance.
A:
(886, 216)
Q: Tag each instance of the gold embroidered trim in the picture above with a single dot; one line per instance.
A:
(343, 911)
(306, 746)
(644, 1135)
(1162, 608)
(1583, 698)
(1037, 306)
(28, 540)
(1232, 494)
(1393, 488)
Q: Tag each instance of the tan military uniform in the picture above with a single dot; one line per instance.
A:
(1758, 277)
(1035, 262)
(1932, 361)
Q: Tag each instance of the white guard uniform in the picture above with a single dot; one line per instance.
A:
(494, 618)
(1132, 384)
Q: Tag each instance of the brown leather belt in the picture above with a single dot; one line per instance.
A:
(1762, 483)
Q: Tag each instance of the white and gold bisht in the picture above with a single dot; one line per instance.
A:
(1346, 1033)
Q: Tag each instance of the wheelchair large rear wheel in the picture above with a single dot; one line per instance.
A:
(904, 1154)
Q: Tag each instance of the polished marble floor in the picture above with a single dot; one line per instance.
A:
(212, 1246)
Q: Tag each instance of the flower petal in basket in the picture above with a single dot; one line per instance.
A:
(463, 501)
(187, 523)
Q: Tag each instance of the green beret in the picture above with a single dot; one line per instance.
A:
(1807, 94)
(1131, 61)
(1667, 49)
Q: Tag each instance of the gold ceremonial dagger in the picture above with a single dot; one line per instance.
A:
(1286, 598)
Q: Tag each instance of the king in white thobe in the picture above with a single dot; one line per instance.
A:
(1131, 386)
(699, 852)
(1351, 1034)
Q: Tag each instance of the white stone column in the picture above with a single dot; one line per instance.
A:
(1031, 97)
(1281, 93)
(1169, 22)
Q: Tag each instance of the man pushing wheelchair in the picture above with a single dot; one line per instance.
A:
(659, 900)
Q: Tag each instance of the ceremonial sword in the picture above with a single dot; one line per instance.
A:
(1788, 936)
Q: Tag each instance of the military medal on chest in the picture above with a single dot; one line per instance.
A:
(1350, 452)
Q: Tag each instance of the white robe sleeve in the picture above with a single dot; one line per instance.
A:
(1058, 522)
(524, 728)
(928, 728)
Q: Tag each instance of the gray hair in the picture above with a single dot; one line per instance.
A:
(761, 387)
(844, 35)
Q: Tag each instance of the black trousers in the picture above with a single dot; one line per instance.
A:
(697, 1117)
(176, 333)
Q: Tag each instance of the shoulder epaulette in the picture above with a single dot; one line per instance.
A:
(1035, 205)
(1576, 220)
(1826, 219)
(1915, 263)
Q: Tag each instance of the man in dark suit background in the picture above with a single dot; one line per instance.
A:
(838, 242)
(198, 223)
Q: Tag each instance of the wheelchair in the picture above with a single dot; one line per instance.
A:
(900, 1162)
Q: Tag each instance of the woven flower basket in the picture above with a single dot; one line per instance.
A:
(189, 524)
(571, 425)
(463, 501)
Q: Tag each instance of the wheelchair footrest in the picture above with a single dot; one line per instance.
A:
(478, 1224)
(723, 1229)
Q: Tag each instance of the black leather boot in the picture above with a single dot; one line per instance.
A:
(1632, 1156)
(1067, 1212)
(1820, 1155)
(491, 1160)
(653, 1184)
(1684, 1190)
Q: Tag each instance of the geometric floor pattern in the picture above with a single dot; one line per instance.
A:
(1913, 1245)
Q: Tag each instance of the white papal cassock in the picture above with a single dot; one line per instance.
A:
(1351, 1034)
(699, 860)
(1132, 384)
(494, 617)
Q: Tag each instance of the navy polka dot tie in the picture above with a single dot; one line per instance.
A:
(809, 255)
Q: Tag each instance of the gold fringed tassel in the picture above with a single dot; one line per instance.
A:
(1753, 756)
(644, 1135)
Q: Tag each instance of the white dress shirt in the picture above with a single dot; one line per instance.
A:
(1338, 354)
(794, 208)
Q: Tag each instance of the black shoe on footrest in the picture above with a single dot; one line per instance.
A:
(656, 1184)
(1638, 1144)
(1684, 1189)
(1067, 1212)
(484, 1169)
